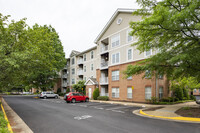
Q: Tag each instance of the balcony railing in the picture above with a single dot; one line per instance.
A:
(104, 80)
(64, 76)
(64, 84)
(80, 72)
(104, 49)
(80, 61)
(104, 64)
(104, 94)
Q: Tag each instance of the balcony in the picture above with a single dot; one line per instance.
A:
(104, 49)
(80, 72)
(64, 75)
(64, 85)
(80, 61)
(103, 80)
(104, 65)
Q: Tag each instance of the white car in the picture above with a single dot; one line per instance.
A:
(47, 94)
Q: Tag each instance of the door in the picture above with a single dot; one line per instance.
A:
(90, 93)
(102, 91)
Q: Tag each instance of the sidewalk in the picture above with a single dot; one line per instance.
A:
(166, 112)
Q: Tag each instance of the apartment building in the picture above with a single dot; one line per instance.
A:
(114, 54)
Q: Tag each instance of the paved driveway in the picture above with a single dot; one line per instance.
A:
(57, 116)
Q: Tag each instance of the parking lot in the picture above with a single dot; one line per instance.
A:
(57, 116)
(96, 105)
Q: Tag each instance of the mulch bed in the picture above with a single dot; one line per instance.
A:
(189, 112)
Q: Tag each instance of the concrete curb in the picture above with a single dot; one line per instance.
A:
(180, 119)
(19, 125)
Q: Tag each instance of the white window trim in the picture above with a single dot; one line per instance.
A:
(85, 58)
(149, 93)
(115, 75)
(74, 61)
(118, 34)
(127, 54)
(115, 96)
(149, 55)
(92, 54)
(92, 67)
(127, 35)
(112, 58)
(131, 96)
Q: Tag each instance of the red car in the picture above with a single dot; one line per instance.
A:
(75, 96)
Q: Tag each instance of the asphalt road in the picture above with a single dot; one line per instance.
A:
(57, 116)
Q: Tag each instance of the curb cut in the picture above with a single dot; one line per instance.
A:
(6, 118)
(179, 119)
(20, 124)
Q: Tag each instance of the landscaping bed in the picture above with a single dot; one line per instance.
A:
(3, 122)
(189, 112)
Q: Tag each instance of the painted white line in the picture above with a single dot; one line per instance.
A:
(82, 117)
(118, 111)
(98, 108)
(73, 104)
(117, 108)
(83, 105)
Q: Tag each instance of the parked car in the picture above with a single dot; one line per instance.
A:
(48, 94)
(75, 96)
(198, 99)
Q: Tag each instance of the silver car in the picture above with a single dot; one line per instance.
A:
(48, 94)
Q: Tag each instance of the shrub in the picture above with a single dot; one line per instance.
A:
(179, 93)
(58, 90)
(96, 93)
(68, 90)
(104, 98)
(192, 97)
(153, 100)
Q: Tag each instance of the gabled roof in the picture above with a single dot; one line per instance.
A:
(119, 10)
(93, 80)
(95, 47)
(74, 52)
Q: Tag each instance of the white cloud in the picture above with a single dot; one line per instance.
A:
(78, 22)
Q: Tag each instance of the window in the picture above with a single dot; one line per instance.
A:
(129, 37)
(73, 71)
(147, 74)
(92, 54)
(148, 53)
(84, 68)
(129, 78)
(84, 57)
(160, 76)
(195, 90)
(129, 54)
(73, 81)
(115, 40)
(160, 92)
(115, 58)
(147, 92)
(73, 61)
(85, 78)
(115, 92)
(115, 75)
(129, 92)
(92, 67)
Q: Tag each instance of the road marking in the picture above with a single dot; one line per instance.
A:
(82, 117)
(73, 104)
(118, 111)
(117, 108)
(98, 108)
(35, 97)
(83, 105)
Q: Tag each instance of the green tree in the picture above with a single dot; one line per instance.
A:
(30, 56)
(80, 86)
(171, 28)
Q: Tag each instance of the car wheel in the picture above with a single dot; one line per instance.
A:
(67, 101)
(45, 97)
(86, 100)
(56, 97)
(73, 100)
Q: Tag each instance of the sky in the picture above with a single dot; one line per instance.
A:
(78, 22)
